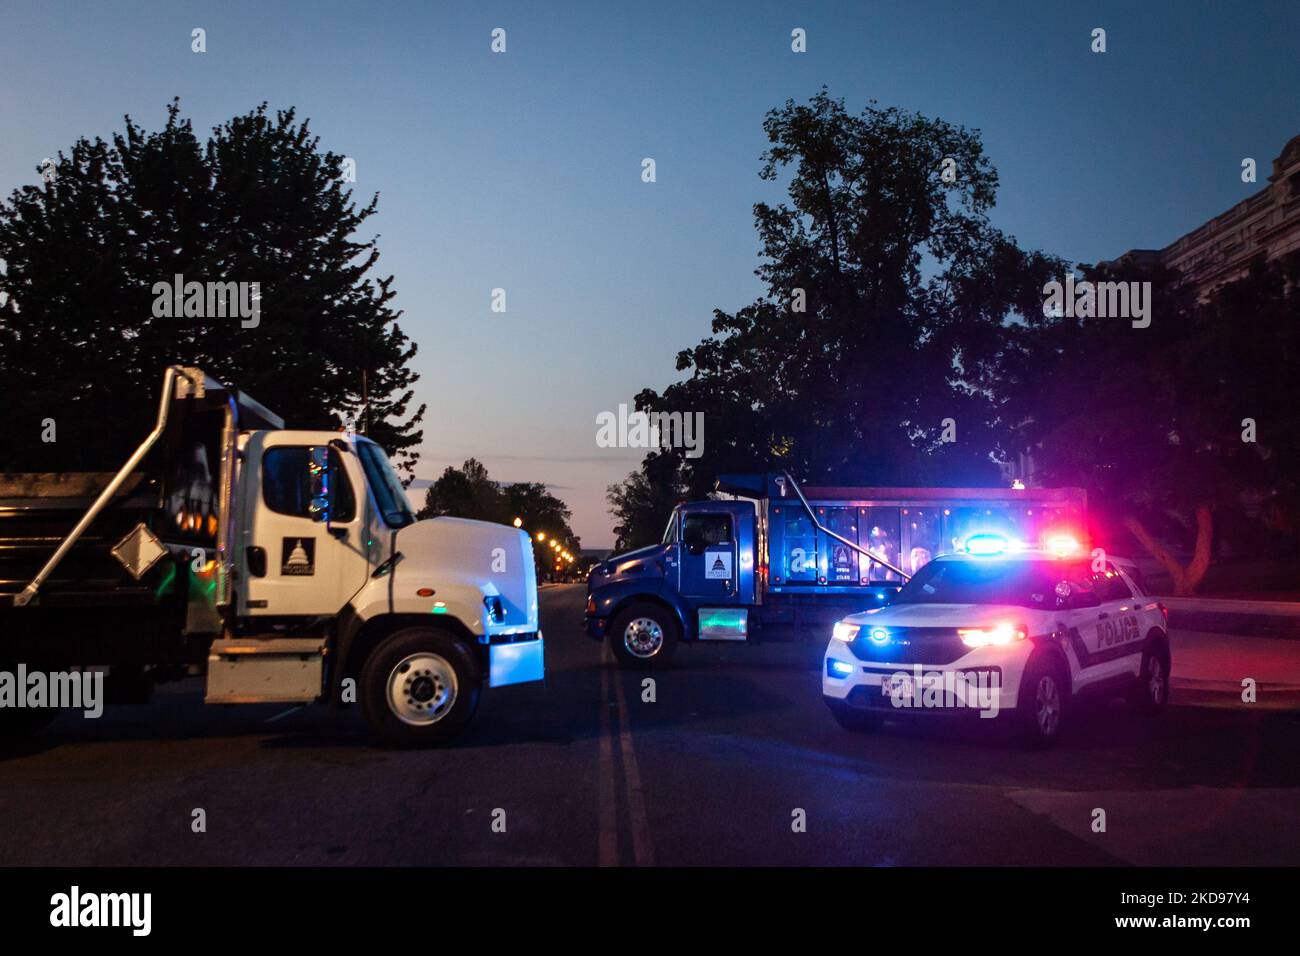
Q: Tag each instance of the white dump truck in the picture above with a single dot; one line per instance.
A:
(286, 566)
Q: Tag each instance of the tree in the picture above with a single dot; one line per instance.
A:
(539, 510)
(882, 325)
(1174, 427)
(258, 202)
(642, 502)
(469, 492)
(466, 492)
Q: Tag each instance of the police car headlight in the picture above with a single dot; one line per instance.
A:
(1000, 634)
(845, 632)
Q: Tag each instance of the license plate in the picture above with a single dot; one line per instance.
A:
(897, 686)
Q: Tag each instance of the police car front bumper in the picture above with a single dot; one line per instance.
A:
(983, 682)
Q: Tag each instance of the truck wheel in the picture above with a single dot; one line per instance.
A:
(643, 635)
(419, 687)
(1150, 692)
(1041, 704)
(855, 718)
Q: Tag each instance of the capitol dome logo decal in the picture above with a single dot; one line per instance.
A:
(298, 557)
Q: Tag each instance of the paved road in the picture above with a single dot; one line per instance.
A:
(583, 771)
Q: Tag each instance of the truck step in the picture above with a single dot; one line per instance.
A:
(255, 670)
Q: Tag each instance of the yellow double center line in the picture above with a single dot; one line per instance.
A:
(607, 798)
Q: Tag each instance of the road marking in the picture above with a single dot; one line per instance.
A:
(286, 713)
(607, 833)
(642, 850)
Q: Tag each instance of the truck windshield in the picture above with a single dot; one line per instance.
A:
(387, 488)
(1023, 583)
(670, 532)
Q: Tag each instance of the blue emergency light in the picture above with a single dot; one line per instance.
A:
(987, 544)
(839, 668)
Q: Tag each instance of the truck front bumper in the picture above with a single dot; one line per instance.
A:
(516, 661)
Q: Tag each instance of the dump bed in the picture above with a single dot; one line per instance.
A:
(906, 527)
(38, 510)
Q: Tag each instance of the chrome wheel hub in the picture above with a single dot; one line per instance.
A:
(1047, 698)
(643, 637)
(422, 689)
(1156, 680)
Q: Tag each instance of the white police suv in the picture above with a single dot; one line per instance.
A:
(996, 629)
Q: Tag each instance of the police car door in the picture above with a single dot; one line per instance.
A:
(1119, 633)
(1079, 613)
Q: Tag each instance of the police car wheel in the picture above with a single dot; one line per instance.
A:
(1150, 693)
(643, 635)
(855, 718)
(1041, 707)
(419, 687)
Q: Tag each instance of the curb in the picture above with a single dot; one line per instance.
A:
(1226, 694)
(1239, 623)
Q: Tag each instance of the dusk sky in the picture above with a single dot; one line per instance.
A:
(523, 170)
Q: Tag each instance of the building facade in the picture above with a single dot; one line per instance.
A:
(1219, 251)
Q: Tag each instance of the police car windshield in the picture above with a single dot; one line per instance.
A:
(982, 581)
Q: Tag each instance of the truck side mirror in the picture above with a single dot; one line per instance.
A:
(318, 484)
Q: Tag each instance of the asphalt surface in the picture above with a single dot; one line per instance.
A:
(735, 750)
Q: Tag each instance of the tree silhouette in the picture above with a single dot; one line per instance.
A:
(258, 202)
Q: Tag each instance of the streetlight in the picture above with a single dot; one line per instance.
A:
(541, 536)
(519, 522)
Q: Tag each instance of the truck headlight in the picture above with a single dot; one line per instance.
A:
(1000, 634)
(845, 632)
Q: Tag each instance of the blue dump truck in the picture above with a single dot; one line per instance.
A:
(770, 560)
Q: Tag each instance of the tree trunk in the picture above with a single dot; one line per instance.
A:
(1186, 579)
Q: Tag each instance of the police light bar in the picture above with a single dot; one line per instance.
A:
(1063, 545)
(986, 544)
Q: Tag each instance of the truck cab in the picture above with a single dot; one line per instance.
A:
(285, 565)
(696, 584)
